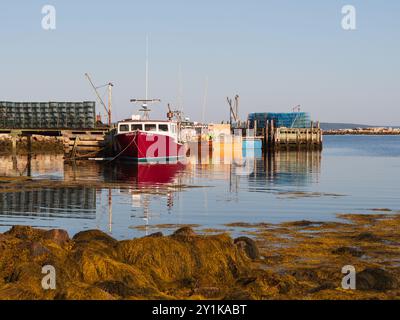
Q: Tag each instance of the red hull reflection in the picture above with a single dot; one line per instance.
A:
(147, 174)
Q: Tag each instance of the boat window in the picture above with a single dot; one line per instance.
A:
(123, 127)
(135, 127)
(150, 127)
(163, 127)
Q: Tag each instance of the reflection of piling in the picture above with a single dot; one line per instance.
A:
(294, 166)
(109, 210)
(14, 137)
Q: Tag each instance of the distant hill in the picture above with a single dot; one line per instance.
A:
(338, 126)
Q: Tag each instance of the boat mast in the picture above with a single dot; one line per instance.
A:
(147, 67)
(145, 102)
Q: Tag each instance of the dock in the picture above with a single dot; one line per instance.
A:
(272, 138)
(283, 138)
(40, 126)
(76, 143)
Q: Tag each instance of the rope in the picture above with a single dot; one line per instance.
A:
(85, 155)
(111, 160)
(119, 154)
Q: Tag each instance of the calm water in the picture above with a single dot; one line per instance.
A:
(354, 174)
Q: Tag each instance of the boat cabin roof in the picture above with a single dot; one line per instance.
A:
(145, 121)
(161, 127)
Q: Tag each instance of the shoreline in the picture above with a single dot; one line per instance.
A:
(291, 260)
(362, 132)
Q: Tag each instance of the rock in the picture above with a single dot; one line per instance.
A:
(322, 287)
(116, 287)
(3, 237)
(79, 291)
(37, 249)
(249, 246)
(302, 223)
(155, 235)
(94, 235)
(185, 233)
(348, 251)
(209, 261)
(367, 236)
(239, 295)
(24, 232)
(375, 279)
(95, 266)
(208, 292)
(57, 235)
(305, 275)
(246, 280)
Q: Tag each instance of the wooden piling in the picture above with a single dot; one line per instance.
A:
(291, 138)
(14, 145)
(29, 162)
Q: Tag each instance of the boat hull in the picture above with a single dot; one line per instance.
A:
(148, 147)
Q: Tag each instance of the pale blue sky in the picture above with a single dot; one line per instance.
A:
(274, 54)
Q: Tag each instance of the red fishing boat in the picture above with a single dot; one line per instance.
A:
(149, 141)
(143, 140)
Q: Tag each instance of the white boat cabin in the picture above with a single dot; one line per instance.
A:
(166, 128)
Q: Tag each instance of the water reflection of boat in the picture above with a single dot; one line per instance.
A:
(144, 174)
(145, 181)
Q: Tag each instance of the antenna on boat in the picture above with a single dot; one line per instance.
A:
(205, 100)
(180, 89)
(145, 102)
(147, 66)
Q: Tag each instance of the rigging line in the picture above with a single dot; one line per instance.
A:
(119, 154)
(85, 155)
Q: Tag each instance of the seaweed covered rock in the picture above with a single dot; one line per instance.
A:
(93, 265)
(25, 232)
(185, 233)
(348, 251)
(59, 236)
(207, 261)
(94, 235)
(186, 265)
(376, 279)
(249, 246)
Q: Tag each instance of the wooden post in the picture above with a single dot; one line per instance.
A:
(287, 139)
(312, 133)
(14, 145)
(73, 152)
(319, 134)
(306, 142)
(199, 149)
(29, 164)
(273, 133)
(210, 148)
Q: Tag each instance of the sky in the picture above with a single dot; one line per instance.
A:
(275, 54)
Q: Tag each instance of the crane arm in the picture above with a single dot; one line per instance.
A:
(97, 93)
